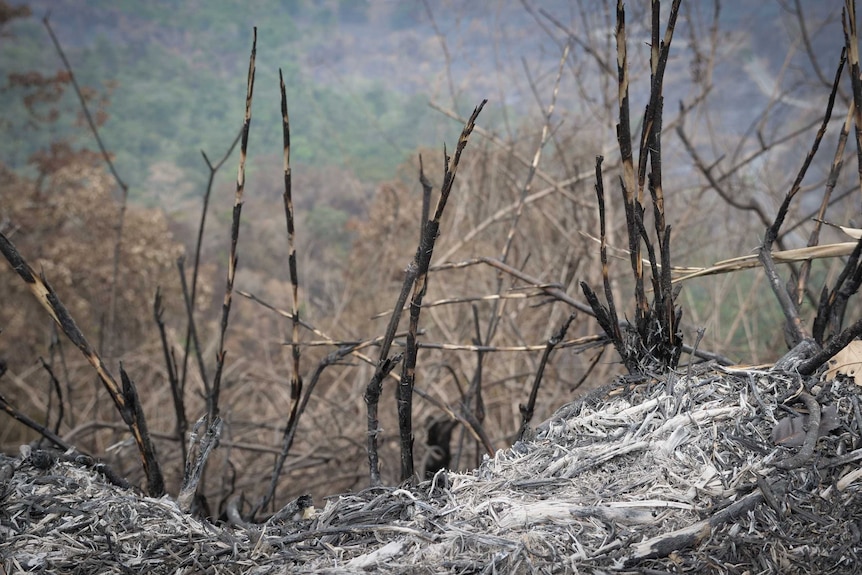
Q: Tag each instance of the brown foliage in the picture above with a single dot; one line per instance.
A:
(64, 222)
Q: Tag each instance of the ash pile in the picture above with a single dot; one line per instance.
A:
(707, 470)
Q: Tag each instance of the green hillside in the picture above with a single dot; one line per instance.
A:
(178, 76)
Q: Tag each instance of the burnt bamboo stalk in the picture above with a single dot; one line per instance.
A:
(212, 399)
(673, 314)
(659, 52)
(664, 292)
(613, 319)
(372, 400)
(155, 481)
(384, 367)
(385, 364)
(624, 137)
(296, 377)
(404, 394)
(627, 180)
(422, 260)
(851, 41)
(836, 344)
(651, 150)
(831, 313)
(606, 316)
(49, 300)
(426, 198)
(651, 258)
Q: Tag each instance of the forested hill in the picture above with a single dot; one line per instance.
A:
(175, 75)
(359, 75)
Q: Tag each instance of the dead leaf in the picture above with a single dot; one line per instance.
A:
(790, 431)
(847, 362)
(854, 233)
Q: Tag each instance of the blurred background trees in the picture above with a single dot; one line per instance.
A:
(745, 90)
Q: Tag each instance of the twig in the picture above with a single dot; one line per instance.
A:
(483, 298)
(475, 389)
(795, 330)
(564, 297)
(465, 421)
(592, 365)
(56, 345)
(833, 303)
(772, 231)
(177, 394)
(527, 410)
(680, 539)
(190, 304)
(34, 425)
(499, 305)
(112, 307)
(715, 183)
(191, 330)
(55, 384)
(293, 423)
(831, 181)
(806, 452)
(443, 46)
(836, 344)
(284, 313)
(806, 41)
(573, 37)
(550, 289)
(239, 445)
(587, 340)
